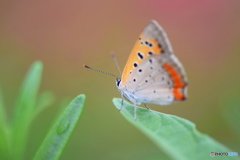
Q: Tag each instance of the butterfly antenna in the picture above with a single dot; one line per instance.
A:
(100, 71)
(116, 62)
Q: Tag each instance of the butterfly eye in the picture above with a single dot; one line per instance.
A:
(118, 82)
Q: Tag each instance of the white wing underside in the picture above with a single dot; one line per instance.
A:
(151, 85)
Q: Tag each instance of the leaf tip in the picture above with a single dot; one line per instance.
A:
(38, 63)
(81, 96)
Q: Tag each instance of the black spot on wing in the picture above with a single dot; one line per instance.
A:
(140, 55)
(135, 64)
(168, 82)
(150, 53)
(160, 46)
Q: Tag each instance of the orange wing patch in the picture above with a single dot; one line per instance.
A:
(178, 84)
(141, 50)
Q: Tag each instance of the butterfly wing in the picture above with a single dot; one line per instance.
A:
(153, 73)
(153, 40)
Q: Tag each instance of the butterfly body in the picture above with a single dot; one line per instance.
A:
(153, 74)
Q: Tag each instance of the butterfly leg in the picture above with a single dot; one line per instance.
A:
(146, 106)
(121, 103)
(135, 111)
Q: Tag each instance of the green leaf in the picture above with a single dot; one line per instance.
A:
(178, 137)
(4, 136)
(24, 109)
(60, 132)
(230, 102)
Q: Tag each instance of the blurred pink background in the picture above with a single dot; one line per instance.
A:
(64, 35)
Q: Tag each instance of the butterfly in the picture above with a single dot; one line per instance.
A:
(152, 74)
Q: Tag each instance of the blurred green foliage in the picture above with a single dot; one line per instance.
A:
(14, 135)
(60, 132)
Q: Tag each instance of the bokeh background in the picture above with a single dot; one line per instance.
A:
(64, 35)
